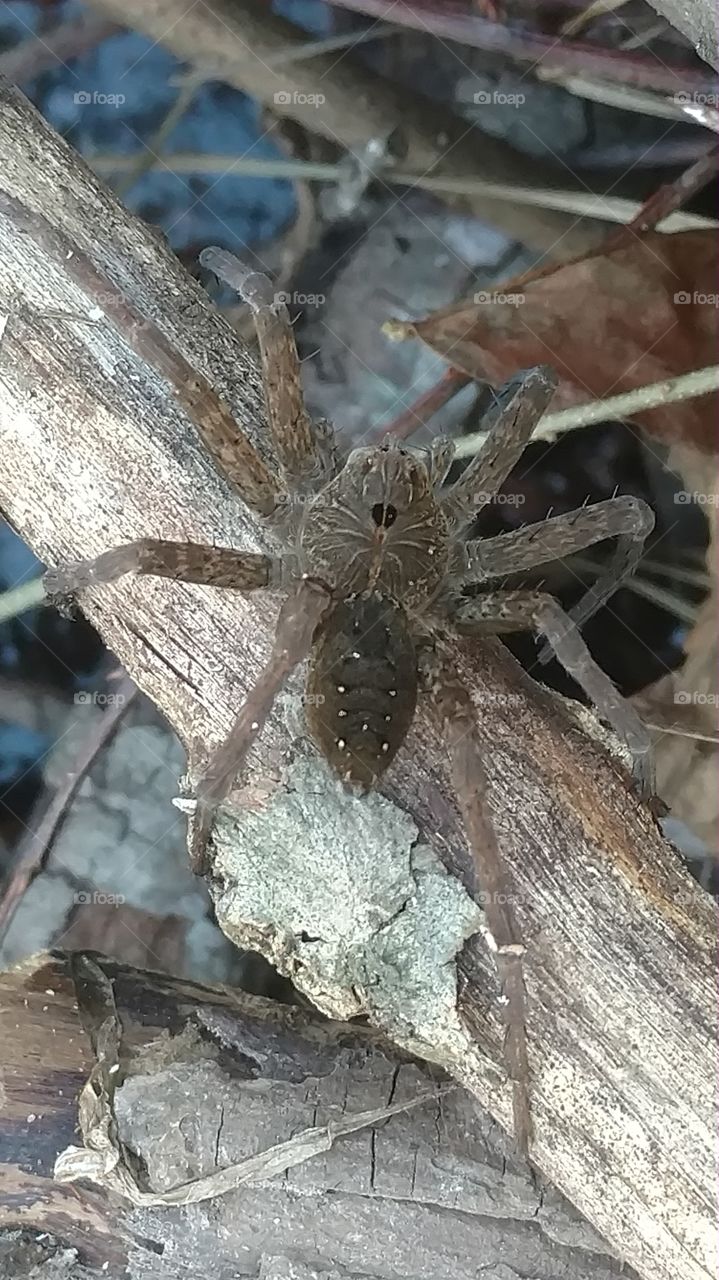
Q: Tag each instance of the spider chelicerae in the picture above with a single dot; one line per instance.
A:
(372, 552)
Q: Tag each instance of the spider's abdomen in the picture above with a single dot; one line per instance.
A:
(362, 686)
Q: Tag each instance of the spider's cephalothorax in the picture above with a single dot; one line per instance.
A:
(379, 527)
(373, 555)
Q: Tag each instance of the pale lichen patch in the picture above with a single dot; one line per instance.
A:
(363, 919)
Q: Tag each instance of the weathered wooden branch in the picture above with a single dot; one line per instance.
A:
(209, 1077)
(360, 901)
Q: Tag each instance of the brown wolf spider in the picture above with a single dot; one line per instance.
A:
(376, 566)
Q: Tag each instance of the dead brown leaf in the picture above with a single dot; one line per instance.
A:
(103, 922)
(609, 323)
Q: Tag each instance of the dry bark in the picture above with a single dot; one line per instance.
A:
(209, 1076)
(360, 901)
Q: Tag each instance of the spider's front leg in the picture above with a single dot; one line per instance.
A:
(493, 884)
(296, 625)
(182, 561)
(510, 424)
(626, 518)
(218, 567)
(305, 449)
(504, 611)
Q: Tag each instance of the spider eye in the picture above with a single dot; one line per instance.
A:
(384, 515)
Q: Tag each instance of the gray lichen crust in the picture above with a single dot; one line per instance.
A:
(363, 919)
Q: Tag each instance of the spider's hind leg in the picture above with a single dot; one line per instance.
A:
(504, 611)
(493, 884)
(631, 521)
(628, 519)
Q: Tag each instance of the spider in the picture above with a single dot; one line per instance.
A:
(372, 550)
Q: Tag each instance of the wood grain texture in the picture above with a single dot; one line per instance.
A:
(95, 451)
(210, 1075)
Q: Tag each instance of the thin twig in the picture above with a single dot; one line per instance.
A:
(19, 599)
(692, 577)
(151, 154)
(332, 44)
(702, 113)
(606, 208)
(622, 96)
(648, 590)
(35, 847)
(668, 198)
(464, 26)
(64, 41)
(572, 26)
(671, 391)
(713, 738)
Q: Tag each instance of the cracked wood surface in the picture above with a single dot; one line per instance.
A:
(96, 450)
(210, 1076)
